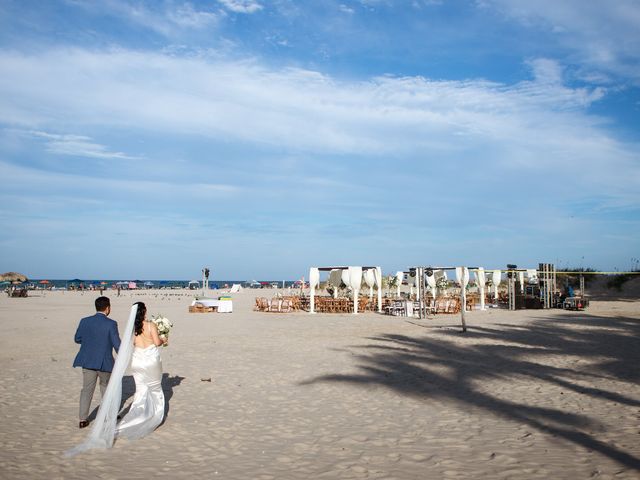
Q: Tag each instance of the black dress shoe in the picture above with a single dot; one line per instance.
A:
(83, 424)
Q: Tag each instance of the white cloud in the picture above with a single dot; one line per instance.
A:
(349, 139)
(301, 109)
(241, 6)
(166, 18)
(604, 35)
(114, 188)
(78, 146)
(346, 9)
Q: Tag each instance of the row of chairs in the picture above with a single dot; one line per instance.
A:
(278, 304)
(404, 308)
(321, 304)
(344, 305)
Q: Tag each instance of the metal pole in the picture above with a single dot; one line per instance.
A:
(423, 297)
(418, 287)
(463, 301)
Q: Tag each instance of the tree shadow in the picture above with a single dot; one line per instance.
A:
(432, 366)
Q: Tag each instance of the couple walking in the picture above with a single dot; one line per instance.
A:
(98, 337)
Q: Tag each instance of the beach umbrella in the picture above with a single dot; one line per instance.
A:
(13, 277)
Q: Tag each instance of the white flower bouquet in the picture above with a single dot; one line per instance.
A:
(164, 327)
(442, 283)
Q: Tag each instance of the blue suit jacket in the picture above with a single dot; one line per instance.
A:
(97, 336)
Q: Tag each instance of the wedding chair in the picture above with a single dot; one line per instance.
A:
(296, 304)
(274, 305)
(285, 306)
(262, 304)
(363, 304)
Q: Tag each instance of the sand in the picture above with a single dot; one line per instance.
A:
(522, 395)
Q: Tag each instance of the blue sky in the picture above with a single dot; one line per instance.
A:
(147, 139)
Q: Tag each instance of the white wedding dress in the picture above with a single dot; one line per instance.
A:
(147, 408)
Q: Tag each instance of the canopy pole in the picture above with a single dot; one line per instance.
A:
(379, 284)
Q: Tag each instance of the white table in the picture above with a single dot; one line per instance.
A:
(223, 306)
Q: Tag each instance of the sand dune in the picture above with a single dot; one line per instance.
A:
(526, 395)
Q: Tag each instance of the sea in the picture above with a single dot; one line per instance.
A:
(77, 283)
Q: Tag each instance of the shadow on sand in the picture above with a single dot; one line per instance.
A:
(611, 347)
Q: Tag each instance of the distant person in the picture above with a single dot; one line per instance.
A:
(98, 337)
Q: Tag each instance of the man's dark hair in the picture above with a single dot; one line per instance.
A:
(102, 303)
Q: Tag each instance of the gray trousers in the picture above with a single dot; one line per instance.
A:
(89, 379)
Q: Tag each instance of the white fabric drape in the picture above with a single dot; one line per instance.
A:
(335, 280)
(438, 274)
(462, 276)
(532, 275)
(354, 275)
(482, 281)
(431, 281)
(521, 280)
(369, 278)
(103, 430)
(378, 276)
(412, 281)
(345, 276)
(399, 278)
(495, 279)
(314, 282)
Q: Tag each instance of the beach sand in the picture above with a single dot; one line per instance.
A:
(524, 395)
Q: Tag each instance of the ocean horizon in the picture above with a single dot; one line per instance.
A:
(147, 283)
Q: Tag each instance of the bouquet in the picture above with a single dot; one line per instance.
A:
(164, 327)
(442, 283)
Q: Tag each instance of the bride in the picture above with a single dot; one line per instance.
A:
(147, 409)
(138, 350)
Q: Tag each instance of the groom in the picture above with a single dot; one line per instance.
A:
(97, 336)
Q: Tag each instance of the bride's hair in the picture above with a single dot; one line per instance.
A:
(142, 310)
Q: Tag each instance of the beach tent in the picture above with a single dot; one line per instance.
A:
(350, 276)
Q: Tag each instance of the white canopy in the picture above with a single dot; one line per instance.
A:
(352, 277)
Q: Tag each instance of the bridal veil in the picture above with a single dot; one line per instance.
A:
(103, 430)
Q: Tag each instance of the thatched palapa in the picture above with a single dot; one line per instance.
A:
(13, 277)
